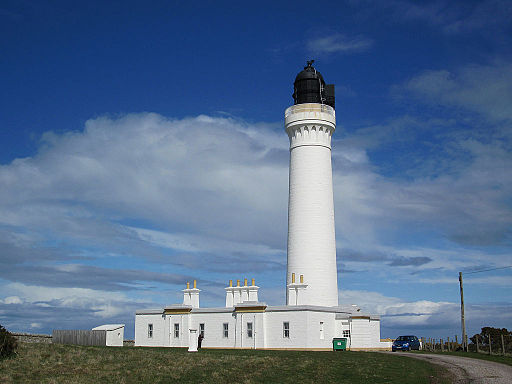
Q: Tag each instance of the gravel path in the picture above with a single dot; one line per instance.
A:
(468, 370)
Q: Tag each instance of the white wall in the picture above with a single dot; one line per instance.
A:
(183, 321)
(115, 337)
(314, 334)
(213, 333)
(365, 334)
(267, 330)
(274, 329)
(160, 333)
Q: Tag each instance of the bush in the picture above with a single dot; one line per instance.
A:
(8, 343)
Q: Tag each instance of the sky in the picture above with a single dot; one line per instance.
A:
(142, 146)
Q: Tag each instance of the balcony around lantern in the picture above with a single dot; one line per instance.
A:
(312, 112)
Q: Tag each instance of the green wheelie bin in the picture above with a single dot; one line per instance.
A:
(339, 344)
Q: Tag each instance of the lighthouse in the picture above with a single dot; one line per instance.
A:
(312, 277)
(312, 317)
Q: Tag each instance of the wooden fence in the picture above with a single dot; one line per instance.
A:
(79, 337)
(500, 346)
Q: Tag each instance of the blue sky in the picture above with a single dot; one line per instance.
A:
(142, 145)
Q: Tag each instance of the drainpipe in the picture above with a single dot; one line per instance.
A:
(350, 338)
(241, 330)
(235, 328)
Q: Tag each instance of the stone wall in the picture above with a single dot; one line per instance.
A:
(32, 338)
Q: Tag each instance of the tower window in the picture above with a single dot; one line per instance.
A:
(286, 329)
(150, 331)
(226, 329)
(249, 330)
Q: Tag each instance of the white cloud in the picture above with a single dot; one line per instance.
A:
(193, 243)
(220, 186)
(198, 172)
(338, 43)
(68, 296)
(486, 89)
(397, 312)
(425, 315)
(12, 300)
(209, 194)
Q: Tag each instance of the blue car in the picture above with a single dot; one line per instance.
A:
(406, 343)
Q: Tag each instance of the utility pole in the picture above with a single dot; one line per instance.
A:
(462, 319)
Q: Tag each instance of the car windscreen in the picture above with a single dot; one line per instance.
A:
(406, 338)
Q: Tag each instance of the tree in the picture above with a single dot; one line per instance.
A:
(8, 343)
(495, 333)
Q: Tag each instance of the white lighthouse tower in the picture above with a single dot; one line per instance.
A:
(312, 277)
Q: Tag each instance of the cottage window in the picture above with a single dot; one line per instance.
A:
(249, 330)
(286, 329)
(226, 329)
(150, 331)
(346, 333)
(201, 329)
(176, 330)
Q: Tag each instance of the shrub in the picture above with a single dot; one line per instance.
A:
(8, 343)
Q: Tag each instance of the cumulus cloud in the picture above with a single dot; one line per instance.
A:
(64, 308)
(195, 175)
(117, 216)
(425, 318)
(338, 43)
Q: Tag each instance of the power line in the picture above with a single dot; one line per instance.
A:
(486, 270)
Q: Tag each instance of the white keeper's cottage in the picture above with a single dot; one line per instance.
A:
(312, 316)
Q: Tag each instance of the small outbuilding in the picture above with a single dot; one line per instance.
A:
(114, 334)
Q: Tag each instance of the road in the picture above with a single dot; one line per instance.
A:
(468, 370)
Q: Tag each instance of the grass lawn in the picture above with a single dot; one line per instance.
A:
(496, 358)
(53, 363)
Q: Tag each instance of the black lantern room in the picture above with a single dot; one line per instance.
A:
(310, 87)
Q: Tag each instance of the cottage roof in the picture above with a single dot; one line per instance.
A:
(108, 327)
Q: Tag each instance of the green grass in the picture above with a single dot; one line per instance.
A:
(496, 358)
(51, 363)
